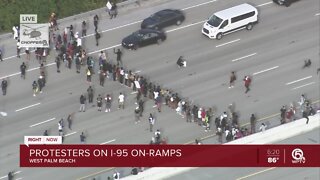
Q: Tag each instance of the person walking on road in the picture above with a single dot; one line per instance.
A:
(102, 76)
(253, 121)
(84, 28)
(1, 55)
(45, 133)
(99, 102)
(10, 175)
(69, 120)
(121, 101)
(82, 104)
(82, 138)
(136, 115)
(41, 83)
(95, 22)
(151, 122)
(58, 63)
(247, 82)
(305, 115)
(232, 79)
(23, 68)
(4, 85)
(90, 94)
(35, 88)
(18, 48)
(97, 36)
(89, 74)
(60, 128)
(108, 103)
(119, 55)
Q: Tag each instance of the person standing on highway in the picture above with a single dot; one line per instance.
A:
(4, 85)
(97, 36)
(141, 107)
(10, 175)
(102, 76)
(82, 103)
(99, 102)
(78, 63)
(136, 115)
(84, 28)
(253, 121)
(151, 122)
(95, 22)
(247, 82)
(34, 88)
(305, 115)
(60, 128)
(45, 133)
(90, 94)
(1, 55)
(89, 74)
(121, 101)
(232, 79)
(119, 55)
(82, 138)
(69, 120)
(27, 51)
(108, 103)
(58, 63)
(41, 83)
(23, 68)
(18, 48)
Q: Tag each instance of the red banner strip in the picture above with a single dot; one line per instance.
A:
(170, 156)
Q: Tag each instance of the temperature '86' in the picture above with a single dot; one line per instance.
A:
(273, 159)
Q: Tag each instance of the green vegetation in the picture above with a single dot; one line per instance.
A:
(10, 10)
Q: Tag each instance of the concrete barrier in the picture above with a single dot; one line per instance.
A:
(269, 136)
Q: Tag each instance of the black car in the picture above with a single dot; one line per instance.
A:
(143, 37)
(284, 2)
(163, 19)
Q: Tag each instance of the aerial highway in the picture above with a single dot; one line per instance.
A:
(272, 53)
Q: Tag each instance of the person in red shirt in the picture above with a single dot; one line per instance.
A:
(247, 82)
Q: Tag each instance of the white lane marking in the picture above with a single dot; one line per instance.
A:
(108, 142)
(298, 80)
(256, 73)
(42, 122)
(13, 174)
(32, 69)
(27, 107)
(243, 57)
(104, 49)
(264, 4)
(228, 43)
(137, 71)
(317, 14)
(198, 5)
(135, 92)
(118, 27)
(182, 27)
(303, 86)
(256, 173)
(70, 134)
(19, 178)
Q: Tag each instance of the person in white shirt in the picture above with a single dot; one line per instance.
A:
(121, 101)
(263, 127)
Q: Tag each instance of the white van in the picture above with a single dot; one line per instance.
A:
(230, 20)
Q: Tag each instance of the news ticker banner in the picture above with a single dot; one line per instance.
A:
(170, 156)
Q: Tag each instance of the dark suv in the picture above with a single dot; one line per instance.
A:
(284, 2)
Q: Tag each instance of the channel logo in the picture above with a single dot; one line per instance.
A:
(297, 156)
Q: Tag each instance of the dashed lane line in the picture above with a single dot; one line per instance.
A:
(228, 43)
(27, 107)
(70, 134)
(108, 142)
(264, 4)
(302, 86)
(42, 122)
(238, 59)
(292, 82)
(256, 173)
(266, 70)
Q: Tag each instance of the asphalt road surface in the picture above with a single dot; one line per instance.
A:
(312, 137)
(272, 53)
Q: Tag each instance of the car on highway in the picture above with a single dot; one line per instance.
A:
(143, 37)
(230, 20)
(286, 3)
(163, 18)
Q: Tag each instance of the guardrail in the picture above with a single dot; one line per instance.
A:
(272, 135)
